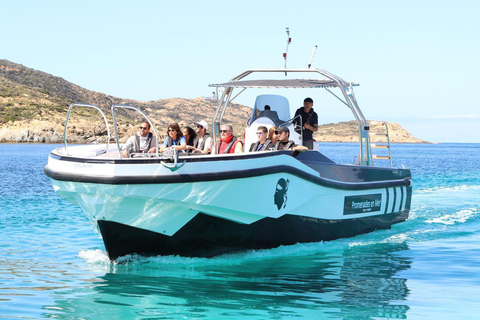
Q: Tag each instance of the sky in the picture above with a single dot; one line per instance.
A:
(417, 62)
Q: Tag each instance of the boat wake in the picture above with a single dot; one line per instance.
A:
(94, 256)
(461, 216)
(446, 189)
(97, 257)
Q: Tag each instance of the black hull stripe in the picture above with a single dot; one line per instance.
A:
(219, 176)
(401, 199)
(207, 236)
(394, 199)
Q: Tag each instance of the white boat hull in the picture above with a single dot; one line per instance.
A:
(217, 204)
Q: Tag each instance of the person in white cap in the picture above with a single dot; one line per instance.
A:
(202, 141)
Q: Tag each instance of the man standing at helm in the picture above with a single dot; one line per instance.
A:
(308, 122)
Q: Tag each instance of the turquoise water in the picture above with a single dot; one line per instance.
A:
(53, 265)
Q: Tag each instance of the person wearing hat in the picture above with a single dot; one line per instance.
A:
(284, 142)
(202, 141)
(308, 122)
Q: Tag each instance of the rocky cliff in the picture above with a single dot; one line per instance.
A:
(34, 104)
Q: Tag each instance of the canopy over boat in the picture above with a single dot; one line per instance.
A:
(329, 81)
(283, 83)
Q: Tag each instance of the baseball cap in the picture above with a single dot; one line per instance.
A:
(202, 123)
(283, 129)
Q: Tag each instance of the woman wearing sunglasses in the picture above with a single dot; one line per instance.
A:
(273, 135)
(174, 138)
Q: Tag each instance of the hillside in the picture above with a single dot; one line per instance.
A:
(34, 104)
(348, 132)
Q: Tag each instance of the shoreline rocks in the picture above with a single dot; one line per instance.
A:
(37, 131)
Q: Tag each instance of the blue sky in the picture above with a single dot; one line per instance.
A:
(417, 62)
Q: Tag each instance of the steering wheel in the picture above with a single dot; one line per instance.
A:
(172, 154)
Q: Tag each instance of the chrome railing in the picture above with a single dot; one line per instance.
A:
(86, 106)
(116, 129)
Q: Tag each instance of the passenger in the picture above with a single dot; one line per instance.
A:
(284, 142)
(272, 115)
(309, 122)
(142, 142)
(263, 142)
(273, 135)
(228, 142)
(174, 138)
(266, 111)
(190, 136)
(203, 141)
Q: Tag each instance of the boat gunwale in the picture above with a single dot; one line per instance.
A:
(228, 175)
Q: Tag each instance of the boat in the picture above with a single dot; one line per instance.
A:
(203, 205)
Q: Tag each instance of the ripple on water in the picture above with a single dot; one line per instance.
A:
(53, 264)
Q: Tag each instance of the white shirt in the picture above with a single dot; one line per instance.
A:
(130, 144)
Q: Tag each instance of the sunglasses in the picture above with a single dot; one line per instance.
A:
(143, 128)
(171, 130)
(276, 132)
(224, 131)
(259, 133)
(200, 127)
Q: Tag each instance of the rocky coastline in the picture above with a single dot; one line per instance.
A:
(38, 131)
(34, 105)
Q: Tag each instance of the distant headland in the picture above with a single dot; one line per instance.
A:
(34, 104)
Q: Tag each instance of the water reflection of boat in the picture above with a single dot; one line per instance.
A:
(204, 205)
(335, 281)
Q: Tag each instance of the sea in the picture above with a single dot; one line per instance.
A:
(54, 266)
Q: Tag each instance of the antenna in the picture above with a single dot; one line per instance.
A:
(287, 30)
(311, 57)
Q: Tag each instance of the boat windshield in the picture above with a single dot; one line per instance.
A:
(274, 107)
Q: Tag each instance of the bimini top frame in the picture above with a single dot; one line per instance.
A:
(331, 81)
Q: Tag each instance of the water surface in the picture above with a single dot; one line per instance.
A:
(53, 265)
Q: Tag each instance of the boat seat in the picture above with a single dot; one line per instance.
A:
(272, 115)
(280, 108)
